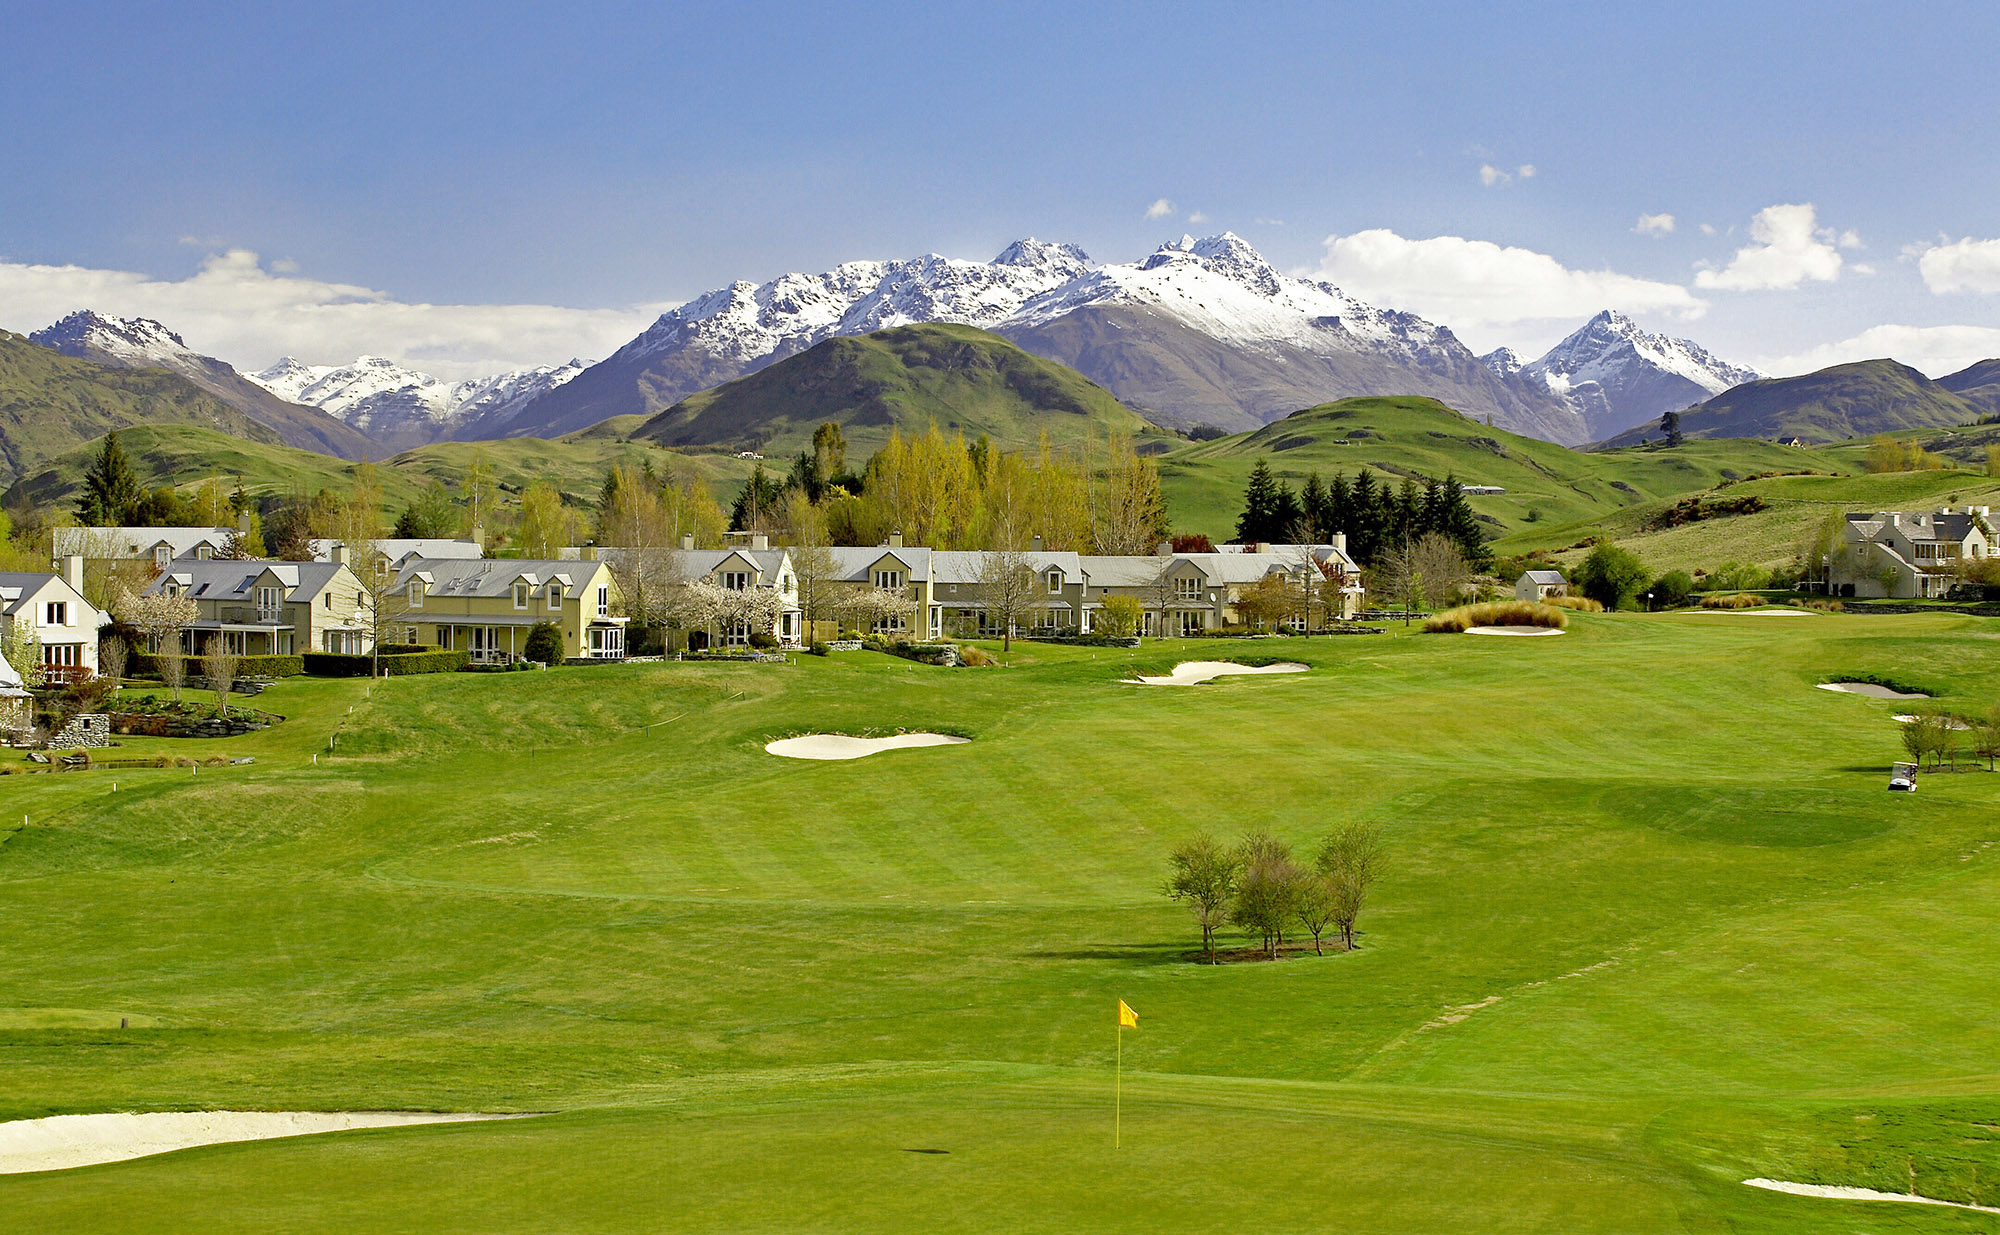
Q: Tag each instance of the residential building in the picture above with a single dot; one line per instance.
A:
(261, 608)
(392, 551)
(1540, 585)
(894, 567)
(756, 568)
(1055, 601)
(1907, 555)
(51, 609)
(161, 546)
(485, 607)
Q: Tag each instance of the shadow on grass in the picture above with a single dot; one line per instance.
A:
(1135, 953)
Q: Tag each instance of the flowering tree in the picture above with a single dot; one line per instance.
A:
(864, 607)
(160, 616)
(699, 605)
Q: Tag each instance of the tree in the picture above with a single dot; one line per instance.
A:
(812, 557)
(757, 502)
(1161, 589)
(863, 608)
(218, 673)
(111, 491)
(1818, 545)
(481, 493)
(1119, 618)
(1267, 895)
(1266, 602)
(1985, 735)
(544, 644)
(1399, 573)
(1007, 589)
(1270, 511)
(430, 515)
(1128, 515)
(1441, 569)
(111, 662)
(160, 616)
(1204, 877)
(638, 543)
(1672, 589)
(1350, 858)
(545, 526)
(24, 652)
(1670, 424)
(829, 452)
(1611, 576)
(1316, 905)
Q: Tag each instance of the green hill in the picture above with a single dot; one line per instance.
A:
(1978, 384)
(1545, 484)
(184, 456)
(964, 379)
(51, 403)
(1845, 401)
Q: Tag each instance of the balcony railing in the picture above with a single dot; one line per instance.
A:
(246, 615)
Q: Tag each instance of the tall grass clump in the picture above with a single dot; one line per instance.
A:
(1737, 600)
(1496, 613)
(1582, 604)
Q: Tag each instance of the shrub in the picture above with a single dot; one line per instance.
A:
(763, 640)
(817, 648)
(977, 658)
(1737, 600)
(340, 665)
(1697, 509)
(544, 644)
(1120, 615)
(1582, 604)
(407, 649)
(1610, 576)
(1672, 589)
(1497, 613)
(147, 665)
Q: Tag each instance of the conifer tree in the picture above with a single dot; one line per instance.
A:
(110, 488)
(1270, 509)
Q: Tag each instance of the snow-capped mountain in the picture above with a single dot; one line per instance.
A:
(1199, 331)
(401, 407)
(141, 343)
(1616, 375)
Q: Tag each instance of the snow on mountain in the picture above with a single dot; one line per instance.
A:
(133, 342)
(1617, 375)
(402, 407)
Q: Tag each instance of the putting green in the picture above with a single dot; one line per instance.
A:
(1649, 926)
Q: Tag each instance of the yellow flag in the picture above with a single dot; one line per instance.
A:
(1127, 1018)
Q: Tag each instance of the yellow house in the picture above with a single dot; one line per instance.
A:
(486, 606)
(263, 608)
(894, 567)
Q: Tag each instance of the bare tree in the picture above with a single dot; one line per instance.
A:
(1268, 895)
(1160, 590)
(1007, 589)
(173, 669)
(111, 662)
(1441, 570)
(1400, 574)
(1204, 878)
(1317, 902)
(1986, 738)
(812, 558)
(1350, 858)
(218, 671)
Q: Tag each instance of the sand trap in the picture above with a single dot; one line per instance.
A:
(1752, 612)
(63, 1141)
(840, 746)
(1869, 689)
(1860, 1194)
(1951, 722)
(1195, 672)
(1512, 630)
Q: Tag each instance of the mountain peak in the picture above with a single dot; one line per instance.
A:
(1034, 254)
(129, 336)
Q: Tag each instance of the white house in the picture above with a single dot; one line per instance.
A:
(51, 608)
(161, 546)
(1540, 585)
(1907, 555)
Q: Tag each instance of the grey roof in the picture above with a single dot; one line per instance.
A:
(233, 578)
(1240, 567)
(1324, 553)
(399, 547)
(493, 577)
(18, 587)
(965, 565)
(118, 542)
(852, 563)
(1121, 571)
(1944, 525)
(1546, 578)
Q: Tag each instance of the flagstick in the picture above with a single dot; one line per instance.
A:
(1118, 1093)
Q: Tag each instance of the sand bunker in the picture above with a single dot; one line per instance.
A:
(1751, 612)
(1194, 672)
(1869, 689)
(1511, 630)
(1950, 722)
(840, 746)
(1860, 1194)
(63, 1141)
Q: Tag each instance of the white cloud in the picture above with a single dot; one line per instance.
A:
(1654, 224)
(1198, 217)
(1961, 266)
(1708, 229)
(1490, 175)
(1934, 350)
(1160, 209)
(1525, 171)
(1476, 284)
(1850, 239)
(1790, 249)
(1270, 222)
(236, 309)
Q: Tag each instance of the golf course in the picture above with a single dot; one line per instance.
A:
(1647, 925)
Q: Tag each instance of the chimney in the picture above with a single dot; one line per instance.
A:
(896, 539)
(1262, 546)
(760, 541)
(1340, 542)
(687, 541)
(243, 524)
(72, 571)
(1037, 546)
(479, 536)
(337, 553)
(588, 553)
(1164, 549)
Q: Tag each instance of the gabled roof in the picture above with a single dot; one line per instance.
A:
(1546, 578)
(137, 542)
(493, 578)
(966, 565)
(396, 548)
(1324, 553)
(853, 563)
(234, 578)
(19, 587)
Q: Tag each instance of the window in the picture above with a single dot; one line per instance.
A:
(162, 555)
(889, 580)
(56, 613)
(284, 643)
(61, 655)
(521, 591)
(1187, 588)
(203, 552)
(555, 596)
(603, 601)
(268, 601)
(416, 593)
(1055, 582)
(607, 642)
(736, 580)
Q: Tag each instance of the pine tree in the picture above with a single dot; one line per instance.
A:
(1458, 520)
(1364, 529)
(1315, 511)
(1670, 424)
(1339, 506)
(110, 488)
(1270, 509)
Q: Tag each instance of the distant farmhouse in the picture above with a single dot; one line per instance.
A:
(1540, 585)
(1907, 556)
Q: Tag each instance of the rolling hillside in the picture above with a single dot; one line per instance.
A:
(1845, 401)
(1546, 485)
(963, 378)
(51, 404)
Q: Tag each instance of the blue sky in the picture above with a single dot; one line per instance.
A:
(545, 179)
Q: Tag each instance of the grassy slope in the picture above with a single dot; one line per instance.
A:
(1204, 481)
(51, 403)
(964, 379)
(186, 456)
(1669, 935)
(1833, 404)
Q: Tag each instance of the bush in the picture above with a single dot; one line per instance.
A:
(1582, 604)
(817, 648)
(977, 658)
(1740, 600)
(1497, 613)
(1610, 575)
(340, 665)
(408, 649)
(763, 640)
(544, 644)
(147, 665)
(1697, 509)
(1672, 589)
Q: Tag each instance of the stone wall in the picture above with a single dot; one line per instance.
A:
(92, 729)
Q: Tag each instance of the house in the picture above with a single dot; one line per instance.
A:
(893, 567)
(1907, 555)
(485, 607)
(1334, 562)
(158, 545)
(1540, 585)
(265, 608)
(391, 551)
(1184, 594)
(51, 609)
(758, 567)
(1055, 602)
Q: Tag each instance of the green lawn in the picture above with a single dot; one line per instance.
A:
(1651, 926)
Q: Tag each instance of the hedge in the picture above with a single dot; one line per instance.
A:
(341, 665)
(147, 665)
(408, 649)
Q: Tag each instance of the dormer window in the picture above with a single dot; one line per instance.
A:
(521, 595)
(416, 593)
(555, 596)
(889, 580)
(735, 580)
(1055, 582)
(204, 553)
(162, 555)
(1187, 587)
